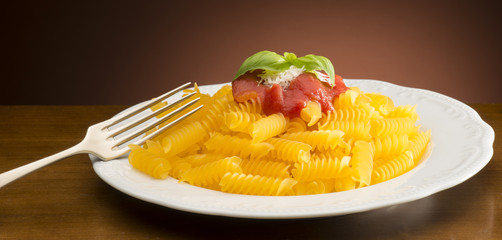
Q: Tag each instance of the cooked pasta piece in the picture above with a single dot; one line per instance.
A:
(256, 185)
(209, 174)
(203, 158)
(265, 168)
(344, 184)
(240, 121)
(393, 168)
(289, 150)
(323, 139)
(405, 111)
(296, 125)
(348, 99)
(321, 169)
(362, 162)
(236, 146)
(314, 187)
(388, 126)
(344, 114)
(268, 127)
(383, 104)
(418, 144)
(352, 130)
(150, 163)
(179, 166)
(390, 145)
(311, 113)
(250, 106)
(183, 138)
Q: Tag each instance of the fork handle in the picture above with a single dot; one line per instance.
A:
(10, 176)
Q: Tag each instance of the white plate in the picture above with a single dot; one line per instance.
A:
(462, 146)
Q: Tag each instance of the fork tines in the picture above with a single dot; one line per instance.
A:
(179, 104)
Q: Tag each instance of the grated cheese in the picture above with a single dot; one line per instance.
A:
(282, 78)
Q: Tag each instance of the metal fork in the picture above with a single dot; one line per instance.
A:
(106, 142)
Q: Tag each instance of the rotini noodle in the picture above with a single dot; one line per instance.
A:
(208, 175)
(393, 168)
(390, 144)
(355, 130)
(296, 125)
(240, 121)
(362, 162)
(321, 169)
(418, 144)
(256, 185)
(311, 113)
(289, 150)
(236, 146)
(387, 126)
(183, 138)
(381, 103)
(268, 127)
(344, 114)
(405, 111)
(148, 162)
(323, 140)
(265, 168)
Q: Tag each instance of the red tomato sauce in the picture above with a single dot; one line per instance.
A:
(292, 100)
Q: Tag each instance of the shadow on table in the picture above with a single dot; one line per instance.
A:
(435, 215)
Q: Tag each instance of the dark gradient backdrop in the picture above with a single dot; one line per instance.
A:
(115, 52)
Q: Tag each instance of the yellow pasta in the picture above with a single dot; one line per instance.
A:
(383, 104)
(418, 144)
(256, 185)
(405, 111)
(348, 99)
(296, 125)
(345, 184)
(321, 169)
(289, 150)
(362, 162)
(209, 174)
(148, 162)
(393, 168)
(390, 145)
(179, 166)
(311, 113)
(268, 127)
(240, 121)
(314, 187)
(387, 126)
(344, 114)
(201, 159)
(351, 129)
(265, 168)
(250, 106)
(236, 148)
(323, 140)
(183, 137)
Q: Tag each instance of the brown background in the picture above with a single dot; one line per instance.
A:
(105, 52)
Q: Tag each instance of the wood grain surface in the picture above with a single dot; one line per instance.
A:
(67, 200)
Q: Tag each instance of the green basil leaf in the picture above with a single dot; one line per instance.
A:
(311, 63)
(272, 62)
(265, 60)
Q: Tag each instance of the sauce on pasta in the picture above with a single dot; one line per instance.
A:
(304, 88)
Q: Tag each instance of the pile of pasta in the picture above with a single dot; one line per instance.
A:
(235, 148)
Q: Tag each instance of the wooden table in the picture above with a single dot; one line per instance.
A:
(68, 200)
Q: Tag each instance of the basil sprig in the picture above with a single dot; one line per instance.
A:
(273, 62)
